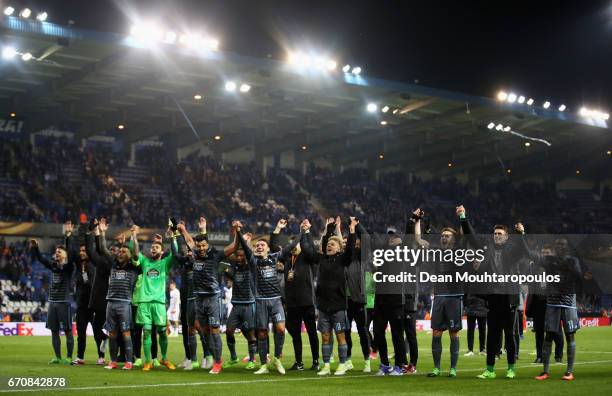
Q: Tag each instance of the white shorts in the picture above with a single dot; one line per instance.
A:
(174, 317)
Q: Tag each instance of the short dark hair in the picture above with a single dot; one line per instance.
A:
(500, 227)
(200, 238)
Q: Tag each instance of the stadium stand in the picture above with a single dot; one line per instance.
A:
(100, 182)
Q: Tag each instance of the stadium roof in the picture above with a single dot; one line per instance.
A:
(92, 82)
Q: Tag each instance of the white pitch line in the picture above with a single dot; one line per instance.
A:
(85, 388)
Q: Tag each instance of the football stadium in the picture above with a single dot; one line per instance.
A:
(192, 204)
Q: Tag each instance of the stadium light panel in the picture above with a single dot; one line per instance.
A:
(395, 111)
(320, 63)
(385, 109)
(509, 170)
(26, 57)
(381, 156)
(527, 144)
(213, 44)
(450, 164)
(501, 95)
(299, 60)
(530, 102)
(147, 32)
(356, 70)
(42, 16)
(197, 97)
(230, 86)
(577, 171)
(193, 41)
(25, 13)
(372, 107)
(562, 107)
(383, 123)
(595, 114)
(511, 98)
(521, 99)
(217, 137)
(546, 104)
(9, 52)
(346, 68)
(499, 127)
(244, 88)
(121, 127)
(170, 37)
(491, 125)
(8, 11)
(507, 128)
(304, 148)
(13, 115)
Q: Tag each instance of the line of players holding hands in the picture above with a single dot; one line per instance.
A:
(124, 291)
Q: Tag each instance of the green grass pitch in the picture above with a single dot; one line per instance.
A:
(28, 356)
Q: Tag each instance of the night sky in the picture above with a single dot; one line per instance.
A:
(555, 50)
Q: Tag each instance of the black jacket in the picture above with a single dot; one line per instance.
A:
(102, 263)
(84, 273)
(355, 273)
(331, 280)
(475, 305)
(299, 292)
(511, 254)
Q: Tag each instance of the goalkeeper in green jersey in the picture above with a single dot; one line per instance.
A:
(152, 299)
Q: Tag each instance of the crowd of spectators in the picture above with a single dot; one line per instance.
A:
(60, 180)
(30, 282)
(384, 204)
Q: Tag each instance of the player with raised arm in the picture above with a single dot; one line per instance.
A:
(298, 267)
(447, 306)
(561, 312)
(187, 312)
(84, 275)
(413, 227)
(389, 312)
(267, 298)
(331, 296)
(502, 257)
(152, 296)
(242, 315)
(99, 289)
(356, 302)
(58, 311)
(206, 266)
(122, 278)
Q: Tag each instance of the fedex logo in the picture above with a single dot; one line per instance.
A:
(17, 329)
